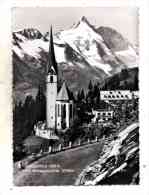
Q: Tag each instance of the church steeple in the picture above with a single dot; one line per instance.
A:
(52, 65)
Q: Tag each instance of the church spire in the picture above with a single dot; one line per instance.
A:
(52, 65)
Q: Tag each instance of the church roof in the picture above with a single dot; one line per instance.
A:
(64, 93)
(52, 65)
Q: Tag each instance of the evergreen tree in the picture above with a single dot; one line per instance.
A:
(29, 116)
(40, 105)
(97, 101)
(82, 95)
(90, 86)
(96, 90)
(105, 87)
(18, 120)
(78, 96)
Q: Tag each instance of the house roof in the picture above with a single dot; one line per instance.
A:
(64, 93)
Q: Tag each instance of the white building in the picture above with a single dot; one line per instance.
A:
(102, 115)
(59, 106)
(116, 95)
(41, 131)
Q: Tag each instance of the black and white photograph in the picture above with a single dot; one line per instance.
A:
(75, 94)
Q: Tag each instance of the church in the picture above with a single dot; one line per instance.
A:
(59, 105)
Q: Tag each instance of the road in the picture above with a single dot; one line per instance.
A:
(58, 169)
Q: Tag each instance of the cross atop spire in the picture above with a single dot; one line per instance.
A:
(52, 65)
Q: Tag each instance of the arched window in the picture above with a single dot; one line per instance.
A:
(58, 109)
(64, 110)
(70, 111)
(51, 79)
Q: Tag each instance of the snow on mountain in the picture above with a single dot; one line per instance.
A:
(30, 33)
(120, 47)
(31, 47)
(59, 53)
(84, 40)
(81, 51)
(128, 55)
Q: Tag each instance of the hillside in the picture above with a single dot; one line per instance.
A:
(126, 79)
(119, 163)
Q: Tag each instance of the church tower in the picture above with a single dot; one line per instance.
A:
(51, 86)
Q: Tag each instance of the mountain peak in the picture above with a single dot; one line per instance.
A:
(84, 19)
(30, 33)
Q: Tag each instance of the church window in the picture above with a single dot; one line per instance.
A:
(58, 107)
(70, 111)
(51, 79)
(64, 110)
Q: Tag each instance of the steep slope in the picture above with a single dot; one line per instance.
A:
(122, 49)
(82, 52)
(126, 79)
(113, 39)
(119, 163)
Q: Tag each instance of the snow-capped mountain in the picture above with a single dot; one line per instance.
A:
(83, 53)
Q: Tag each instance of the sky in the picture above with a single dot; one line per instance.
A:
(122, 19)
